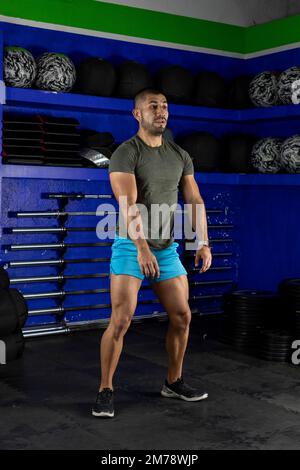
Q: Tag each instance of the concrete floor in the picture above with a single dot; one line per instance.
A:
(46, 396)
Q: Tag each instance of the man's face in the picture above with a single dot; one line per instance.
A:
(152, 114)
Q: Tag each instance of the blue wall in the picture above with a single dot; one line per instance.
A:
(265, 245)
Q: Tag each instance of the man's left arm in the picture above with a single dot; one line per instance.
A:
(191, 195)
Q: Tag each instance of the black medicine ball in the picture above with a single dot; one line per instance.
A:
(236, 153)
(132, 78)
(204, 149)
(96, 76)
(176, 83)
(210, 89)
(95, 140)
(238, 93)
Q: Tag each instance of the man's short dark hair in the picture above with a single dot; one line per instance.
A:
(141, 95)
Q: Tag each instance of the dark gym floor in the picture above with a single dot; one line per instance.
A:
(46, 396)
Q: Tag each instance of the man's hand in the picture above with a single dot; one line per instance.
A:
(148, 263)
(205, 254)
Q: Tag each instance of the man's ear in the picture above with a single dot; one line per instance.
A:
(136, 113)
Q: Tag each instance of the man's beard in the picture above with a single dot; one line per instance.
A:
(157, 132)
(153, 130)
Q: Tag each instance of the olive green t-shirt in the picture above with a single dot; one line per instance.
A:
(158, 171)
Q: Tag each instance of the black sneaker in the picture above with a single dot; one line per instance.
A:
(104, 406)
(179, 389)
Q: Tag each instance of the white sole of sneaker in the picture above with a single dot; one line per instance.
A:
(167, 393)
(103, 414)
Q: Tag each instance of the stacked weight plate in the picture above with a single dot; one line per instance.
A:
(297, 328)
(289, 291)
(21, 140)
(41, 140)
(60, 141)
(247, 312)
(276, 346)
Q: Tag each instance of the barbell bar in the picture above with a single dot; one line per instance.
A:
(25, 230)
(54, 262)
(87, 307)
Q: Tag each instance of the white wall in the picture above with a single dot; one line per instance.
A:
(238, 12)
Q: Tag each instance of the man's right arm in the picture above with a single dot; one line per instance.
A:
(125, 191)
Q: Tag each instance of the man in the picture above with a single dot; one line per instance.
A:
(147, 169)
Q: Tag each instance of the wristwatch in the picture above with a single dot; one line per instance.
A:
(203, 243)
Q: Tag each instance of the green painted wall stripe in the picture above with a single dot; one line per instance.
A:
(129, 21)
(274, 34)
(157, 26)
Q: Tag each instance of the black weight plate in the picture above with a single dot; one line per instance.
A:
(8, 316)
(241, 342)
(280, 355)
(251, 297)
(61, 137)
(237, 327)
(24, 134)
(288, 282)
(244, 315)
(58, 121)
(290, 297)
(245, 319)
(251, 293)
(14, 345)
(245, 326)
(60, 147)
(279, 341)
(23, 161)
(4, 279)
(283, 337)
(241, 337)
(276, 347)
(21, 142)
(278, 333)
(276, 353)
(255, 304)
(251, 308)
(20, 305)
(19, 129)
(292, 301)
(64, 163)
(19, 118)
(293, 282)
(245, 311)
(274, 359)
(22, 151)
(271, 356)
(243, 331)
(279, 338)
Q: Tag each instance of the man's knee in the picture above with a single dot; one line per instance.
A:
(121, 319)
(181, 319)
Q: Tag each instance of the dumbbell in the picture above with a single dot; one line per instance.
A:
(11, 347)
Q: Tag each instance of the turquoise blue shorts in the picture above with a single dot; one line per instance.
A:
(124, 260)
